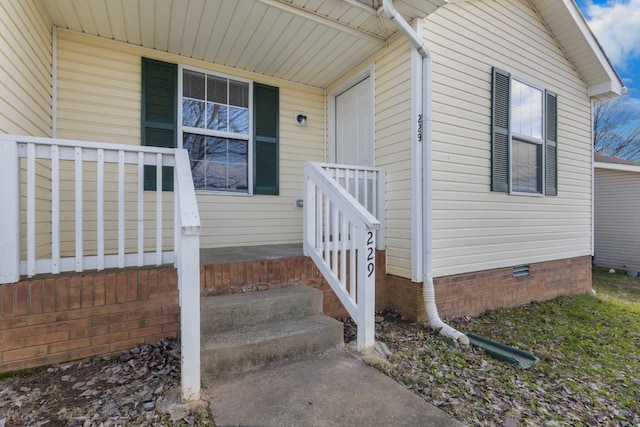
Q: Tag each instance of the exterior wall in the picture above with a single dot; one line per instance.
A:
(393, 150)
(470, 294)
(616, 219)
(392, 130)
(99, 99)
(56, 319)
(25, 65)
(475, 229)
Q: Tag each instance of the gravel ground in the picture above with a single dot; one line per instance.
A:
(140, 387)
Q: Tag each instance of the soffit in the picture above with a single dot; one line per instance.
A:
(572, 33)
(312, 42)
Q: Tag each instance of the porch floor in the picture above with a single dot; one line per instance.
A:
(212, 256)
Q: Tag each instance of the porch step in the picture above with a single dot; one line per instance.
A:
(246, 331)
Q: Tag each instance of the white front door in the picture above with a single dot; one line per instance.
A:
(353, 139)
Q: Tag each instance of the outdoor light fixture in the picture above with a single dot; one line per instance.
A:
(301, 119)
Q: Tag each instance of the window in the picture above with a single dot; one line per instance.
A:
(230, 128)
(523, 137)
(215, 130)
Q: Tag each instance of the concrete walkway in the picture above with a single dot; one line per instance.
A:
(330, 390)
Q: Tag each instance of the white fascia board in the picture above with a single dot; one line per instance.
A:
(606, 90)
(612, 88)
(617, 166)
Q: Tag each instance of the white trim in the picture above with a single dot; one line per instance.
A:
(615, 85)
(418, 88)
(617, 166)
(54, 81)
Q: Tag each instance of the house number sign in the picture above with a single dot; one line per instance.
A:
(371, 254)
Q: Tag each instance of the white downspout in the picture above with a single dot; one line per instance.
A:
(428, 291)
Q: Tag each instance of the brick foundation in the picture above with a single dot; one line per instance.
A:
(54, 319)
(50, 320)
(73, 316)
(473, 293)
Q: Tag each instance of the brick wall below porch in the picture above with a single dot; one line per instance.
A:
(473, 293)
(73, 316)
(258, 275)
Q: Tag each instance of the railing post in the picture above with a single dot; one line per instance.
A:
(189, 285)
(308, 213)
(366, 287)
(188, 262)
(10, 213)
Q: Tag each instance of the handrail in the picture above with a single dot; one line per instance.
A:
(340, 237)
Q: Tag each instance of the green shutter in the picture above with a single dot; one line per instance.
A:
(551, 144)
(501, 86)
(159, 107)
(266, 142)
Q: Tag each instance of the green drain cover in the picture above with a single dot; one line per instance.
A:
(503, 352)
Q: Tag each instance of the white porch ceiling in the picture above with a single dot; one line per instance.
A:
(313, 42)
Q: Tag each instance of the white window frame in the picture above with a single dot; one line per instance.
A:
(525, 138)
(207, 132)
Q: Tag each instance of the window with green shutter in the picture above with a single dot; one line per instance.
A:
(215, 118)
(159, 94)
(523, 137)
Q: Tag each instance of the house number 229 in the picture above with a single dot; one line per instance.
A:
(371, 257)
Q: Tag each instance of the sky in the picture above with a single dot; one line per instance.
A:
(616, 25)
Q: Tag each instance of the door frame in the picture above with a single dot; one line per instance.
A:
(369, 72)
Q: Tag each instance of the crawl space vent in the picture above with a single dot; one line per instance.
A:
(521, 270)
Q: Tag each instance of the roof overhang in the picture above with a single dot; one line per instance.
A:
(570, 30)
(617, 167)
(313, 42)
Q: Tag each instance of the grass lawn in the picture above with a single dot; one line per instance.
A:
(588, 374)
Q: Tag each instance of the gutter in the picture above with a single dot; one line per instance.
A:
(421, 174)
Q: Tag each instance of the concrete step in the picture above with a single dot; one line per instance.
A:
(225, 312)
(246, 331)
(242, 349)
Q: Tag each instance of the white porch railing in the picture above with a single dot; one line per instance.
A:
(77, 206)
(340, 237)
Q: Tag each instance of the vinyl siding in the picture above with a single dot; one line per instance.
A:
(393, 149)
(25, 91)
(99, 100)
(617, 222)
(473, 228)
(25, 66)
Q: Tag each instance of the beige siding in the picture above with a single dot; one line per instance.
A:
(99, 100)
(393, 150)
(25, 67)
(616, 219)
(474, 228)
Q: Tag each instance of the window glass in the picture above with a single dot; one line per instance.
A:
(213, 107)
(526, 110)
(217, 163)
(526, 167)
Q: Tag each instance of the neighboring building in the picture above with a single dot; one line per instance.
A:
(485, 143)
(616, 213)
